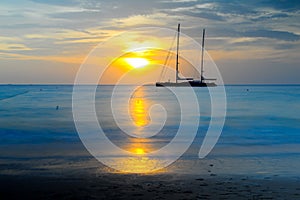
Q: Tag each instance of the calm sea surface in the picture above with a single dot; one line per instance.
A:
(261, 134)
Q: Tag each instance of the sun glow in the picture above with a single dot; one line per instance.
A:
(139, 151)
(137, 62)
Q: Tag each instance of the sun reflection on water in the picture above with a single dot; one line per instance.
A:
(138, 109)
(144, 139)
(139, 162)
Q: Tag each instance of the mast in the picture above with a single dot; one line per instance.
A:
(177, 52)
(202, 54)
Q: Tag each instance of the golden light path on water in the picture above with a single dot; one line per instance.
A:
(139, 107)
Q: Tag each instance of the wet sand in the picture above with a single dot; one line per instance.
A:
(61, 171)
(159, 186)
(86, 178)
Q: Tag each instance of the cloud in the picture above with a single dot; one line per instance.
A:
(77, 59)
(59, 29)
(9, 44)
(14, 47)
(179, 1)
(57, 2)
(204, 15)
(138, 21)
(286, 5)
(9, 39)
(270, 16)
(280, 35)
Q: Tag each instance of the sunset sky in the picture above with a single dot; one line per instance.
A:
(250, 41)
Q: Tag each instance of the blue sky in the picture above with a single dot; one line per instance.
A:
(250, 41)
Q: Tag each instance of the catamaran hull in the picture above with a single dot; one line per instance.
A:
(185, 84)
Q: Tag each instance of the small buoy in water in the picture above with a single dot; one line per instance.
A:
(57, 107)
(247, 90)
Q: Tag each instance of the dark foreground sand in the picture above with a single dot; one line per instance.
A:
(159, 186)
(41, 172)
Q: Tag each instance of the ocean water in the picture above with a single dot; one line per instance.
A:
(261, 134)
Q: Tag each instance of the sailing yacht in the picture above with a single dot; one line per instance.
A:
(188, 82)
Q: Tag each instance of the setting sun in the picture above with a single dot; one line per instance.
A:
(139, 151)
(137, 62)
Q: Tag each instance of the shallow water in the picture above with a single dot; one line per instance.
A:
(261, 134)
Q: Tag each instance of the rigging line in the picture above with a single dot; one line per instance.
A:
(163, 72)
(166, 64)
